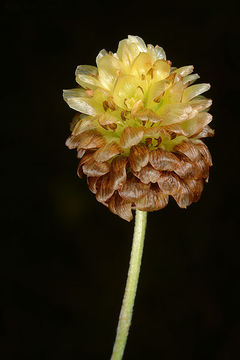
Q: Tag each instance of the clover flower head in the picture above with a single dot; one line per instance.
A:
(138, 129)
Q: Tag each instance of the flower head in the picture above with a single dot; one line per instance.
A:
(138, 129)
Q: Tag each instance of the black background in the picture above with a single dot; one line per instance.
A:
(64, 256)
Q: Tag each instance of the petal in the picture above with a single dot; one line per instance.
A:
(87, 140)
(131, 136)
(82, 104)
(133, 189)
(174, 93)
(184, 70)
(163, 160)
(80, 153)
(190, 79)
(94, 168)
(205, 153)
(148, 115)
(127, 51)
(152, 52)
(101, 53)
(86, 157)
(107, 151)
(161, 70)
(184, 197)
(120, 207)
(109, 69)
(126, 88)
(148, 174)
(196, 187)
(160, 53)
(141, 65)
(86, 123)
(187, 169)
(92, 183)
(194, 126)
(169, 183)
(205, 132)
(156, 91)
(139, 156)
(194, 90)
(200, 104)
(189, 149)
(86, 76)
(139, 42)
(105, 190)
(174, 113)
(118, 174)
(153, 200)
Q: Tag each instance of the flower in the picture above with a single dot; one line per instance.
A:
(138, 129)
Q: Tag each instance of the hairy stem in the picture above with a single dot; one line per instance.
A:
(131, 286)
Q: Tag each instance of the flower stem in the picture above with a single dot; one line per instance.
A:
(131, 286)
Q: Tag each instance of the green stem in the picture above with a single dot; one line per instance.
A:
(131, 286)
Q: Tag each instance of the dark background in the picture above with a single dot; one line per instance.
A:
(64, 256)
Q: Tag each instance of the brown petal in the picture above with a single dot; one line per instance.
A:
(72, 142)
(187, 168)
(169, 183)
(196, 187)
(94, 168)
(92, 184)
(86, 157)
(138, 157)
(153, 200)
(205, 153)
(105, 190)
(133, 189)
(189, 149)
(80, 153)
(148, 174)
(184, 197)
(163, 160)
(206, 132)
(131, 136)
(89, 139)
(118, 172)
(107, 151)
(203, 169)
(120, 207)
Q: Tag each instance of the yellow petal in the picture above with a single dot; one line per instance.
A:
(139, 42)
(174, 113)
(86, 76)
(194, 90)
(101, 53)
(184, 70)
(160, 53)
(161, 70)
(141, 65)
(82, 104)
(109, 69)
(192, 127)
(190, 78)
(156, 91)
(126, 87)
(127, 52)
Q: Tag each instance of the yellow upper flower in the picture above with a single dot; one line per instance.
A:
(134, 97)
(138, 84)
